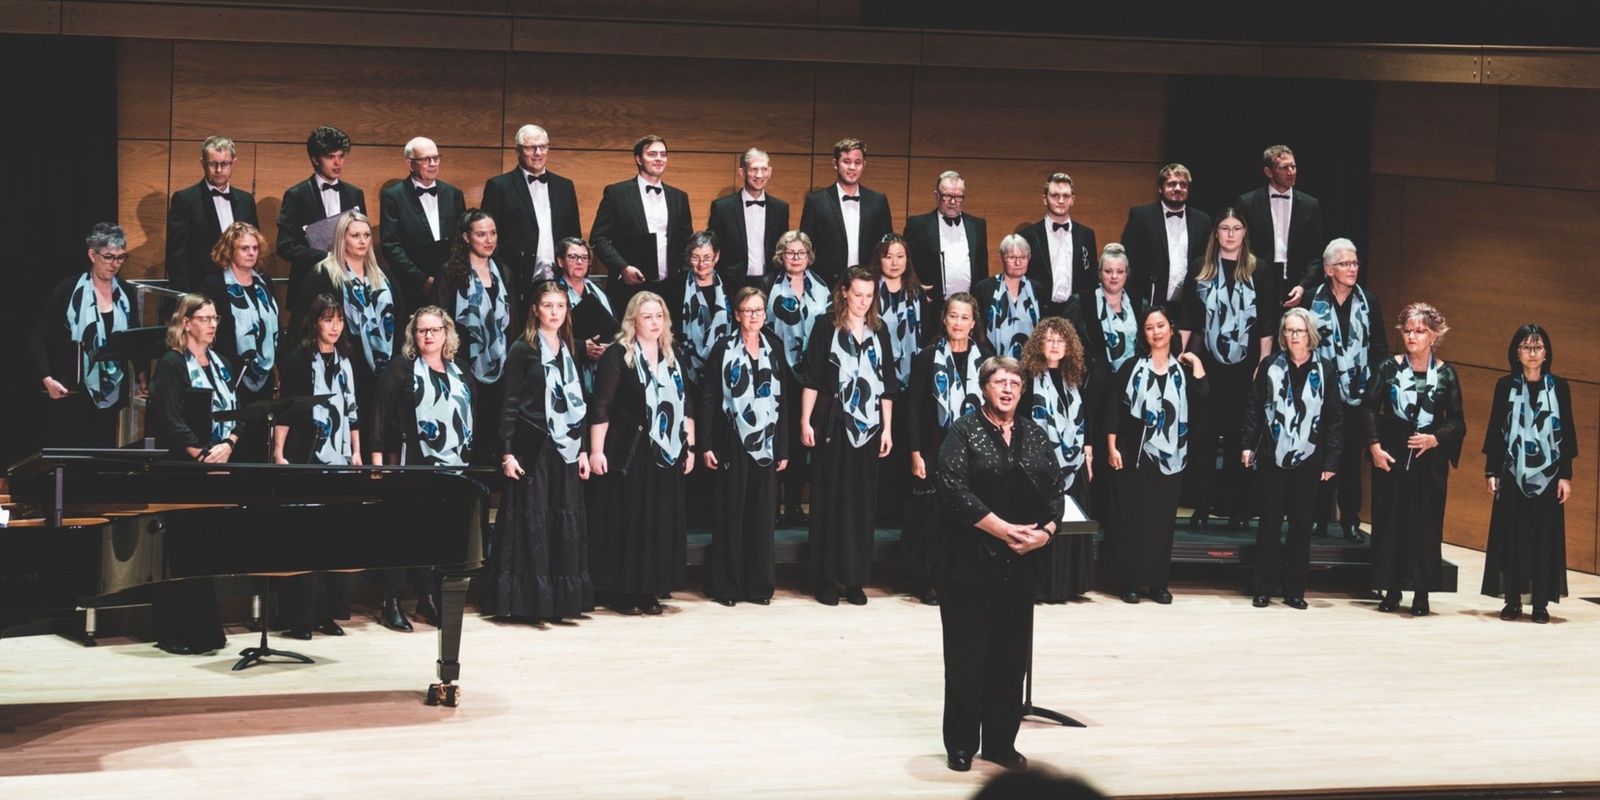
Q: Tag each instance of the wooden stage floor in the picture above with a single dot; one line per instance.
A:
(798, 700)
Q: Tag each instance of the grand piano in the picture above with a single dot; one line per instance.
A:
(90, 525)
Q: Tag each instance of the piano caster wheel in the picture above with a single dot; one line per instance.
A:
(444, 694)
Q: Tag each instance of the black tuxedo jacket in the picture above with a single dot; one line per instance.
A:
(1145, 238)
(621, 215)
(505, 197)
(193, 229)
(409, 249)
(923, 246)
(727, 222)
(1305, 237)
(822, 219)
(1085, 260)
(302, 205)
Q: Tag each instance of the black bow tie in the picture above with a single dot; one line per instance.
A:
(1061, 226)
(433, 190)
(542, 177)
(1175, 214)
(656, 189)
(851, 198)
(327, 187)
(228, 195)
(951, 221)
(749, 203)
(1277, 196)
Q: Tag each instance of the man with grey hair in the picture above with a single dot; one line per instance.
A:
(533, 209)
(419, 218)
(1162, 238)
(198, 215)
(949, 248)
(1062, 254)
(748, 223)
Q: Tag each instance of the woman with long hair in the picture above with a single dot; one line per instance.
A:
(479, 293)
(1059, 399)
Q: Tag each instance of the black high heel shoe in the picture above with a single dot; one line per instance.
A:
(1391, 601)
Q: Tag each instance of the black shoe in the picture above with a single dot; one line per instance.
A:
(392, 617)
(627, 611)
(1130, 595)
(1541, 614)
(761, 601)
(328, 627)
(1161, 596)
(1419, 605)
(654, 611)
(1352, 533)
(1199, 517)
(1512, 612)
(827, 594)
(1391, 601)
(180, 649)
(1261, 601)
(298, 632)
(1298, 603)
(727, 601)
(1319, 529)
(1013, 760)
(958, 761)
(428, 609)
(855, 595)
(929, 598)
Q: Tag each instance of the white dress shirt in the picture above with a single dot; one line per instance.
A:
(852, 226)
(330, 195)
(222, 205)
(655, 220)
(755, 234)
(1177, 249)
(1281, 209)
(545, 256)
(1060, 259)
(957, 258)
(430, 206)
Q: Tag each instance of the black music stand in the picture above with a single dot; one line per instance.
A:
(133, 344)
(270, 410)
(1063, 528)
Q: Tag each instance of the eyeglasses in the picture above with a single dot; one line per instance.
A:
(1230, 229)
(752, 312)
(430, 160)
(114, 259)
(431, 331)
(204, 319)
(1294, 332)
(579, 258)
(794, 255)
(534, 148)
(958, 198)
(1345, 264)
(1532, 348)
(218, 165)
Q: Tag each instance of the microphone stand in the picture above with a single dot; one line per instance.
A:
(1028, 708)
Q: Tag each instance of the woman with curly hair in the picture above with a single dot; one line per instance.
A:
(1058, 400)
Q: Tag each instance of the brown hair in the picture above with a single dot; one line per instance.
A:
(188, 306)
(228, 244)
(530, 334)
(1034, 362)
(841, 292)
(1247, 261)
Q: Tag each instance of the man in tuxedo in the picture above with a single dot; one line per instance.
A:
(1285, 229)
(748, 223)
(420, 214)
(1162, 238)
(199, 214)
(846, 220)
(534, 209)
(1062, 254)
(949, 248)
(642, 227)
(314, 199)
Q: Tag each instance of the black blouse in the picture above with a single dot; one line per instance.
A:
(168, 390)
(1495, 433)
(977, 476)
(619, 402)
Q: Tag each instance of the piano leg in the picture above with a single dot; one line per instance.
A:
(453, 605)
(89, 625)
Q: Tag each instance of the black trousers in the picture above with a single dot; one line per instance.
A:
(1215, 420)
(740, 561)
(304, 600)
(184, 614)
(1345, 487)
(987, 633)
(1290, 492)
(792, 480)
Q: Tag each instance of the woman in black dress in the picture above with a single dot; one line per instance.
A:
(594, 322)
(847, 408)
(319, 364)
(1110, 339)
(1529, 446)
(998, 474)
(539, 563)
(1414, 433)
(796, 298)
(904, 306)
(702, 315)
(247, 320)
(192, 383)
(1295, 420)
(1227, 308)
(87, 309)
(641, 438)
(745, 396)
(1010, 304)
(1059, 399)
(1147, 443)
(944, 388)
(479, 293)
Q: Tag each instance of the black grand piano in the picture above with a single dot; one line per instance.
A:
(96, 523)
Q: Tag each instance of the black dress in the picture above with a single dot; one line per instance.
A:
(1527, 535)
(317, 283)
(306, 599)
(1070, 569)
(487, 394)
(844, 486)
(539, 560)
(591, 319)
(75, 420)
(228, 343)
(919, 533)
(638, 543)
(1344, 489)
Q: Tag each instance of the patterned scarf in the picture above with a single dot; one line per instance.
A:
(1347, 349)
(370, 312)
(751, 394)
(333, 419)
(1293, 420)
(564, 405)
(1406, 400)
(1119, 328)
(482, 316)
(222, 396)
(1164, 412)
(103, 381)
(590, 289)
(663, 400)
(859, 389)
(1011, 322)
(1230, 313)
(444, 413)
(901, 312)
(1533, 443)
(703, 325)
(255, 327)
(1062, 419)
(791, 316)
(957, 394)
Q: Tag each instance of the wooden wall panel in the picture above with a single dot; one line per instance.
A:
(281, 93)
(1432, 64)
(142, 206)
(870, 103)
(981, 113)
(1579, 70)
(144, 89)
(30, 16)
(706, 10)
(1435, 131)
(1547, 138)
(339, 28)
(1491, 257)
(1381, 264)
(1059, 53)
(608, 103)
(1583, 510)
(674, 40)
